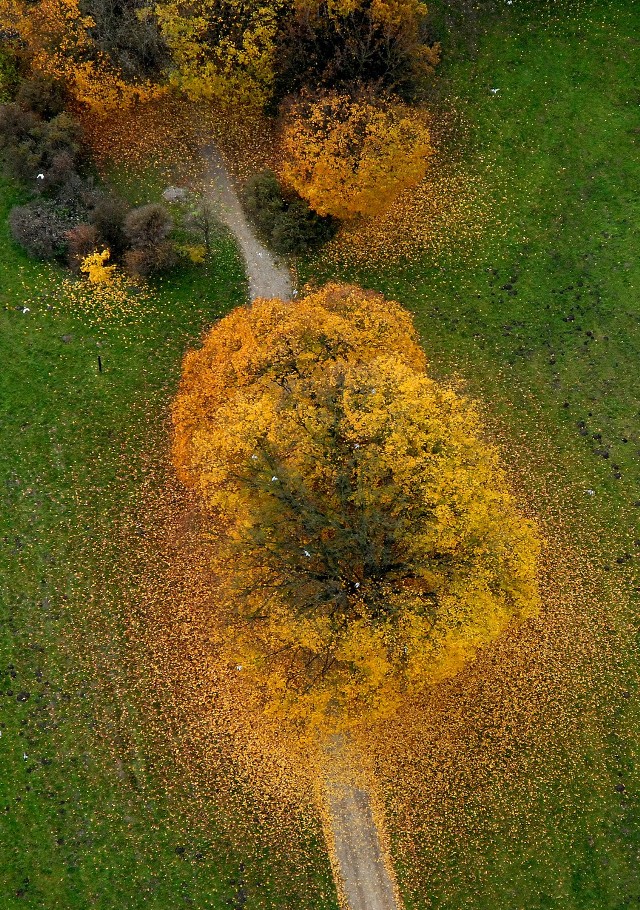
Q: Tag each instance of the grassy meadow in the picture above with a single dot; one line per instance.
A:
(85, 817)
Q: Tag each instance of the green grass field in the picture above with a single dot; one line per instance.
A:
(541, 324)
(84, 819)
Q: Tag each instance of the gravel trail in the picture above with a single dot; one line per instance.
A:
(267, 275)
(364, 871)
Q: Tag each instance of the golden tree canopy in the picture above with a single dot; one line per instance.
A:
(351, 157)
(366, 540)
(222, 49)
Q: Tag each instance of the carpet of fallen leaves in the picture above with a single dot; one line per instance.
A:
(450, 209)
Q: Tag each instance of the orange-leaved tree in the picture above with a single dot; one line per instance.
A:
(366, 542)
(350, 156)
(58, 38)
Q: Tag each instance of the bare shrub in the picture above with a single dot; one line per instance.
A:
(15, 124)
(40, 229)
(108, 216)
(145, 261)
(81, 240)
(148, 226)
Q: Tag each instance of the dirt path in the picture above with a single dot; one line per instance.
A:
(364, 871)
(267, 276)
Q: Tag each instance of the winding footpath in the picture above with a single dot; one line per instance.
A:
(267, 276)
(362, 868)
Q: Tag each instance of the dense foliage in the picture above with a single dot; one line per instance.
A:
(65, 42)
(285, 221)
(364, 528)
(248, 52)
(39, 141)
(235, 51)
(41, 146)
(345, 45)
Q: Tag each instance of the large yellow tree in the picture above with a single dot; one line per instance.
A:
(366, 540)
(351, 157)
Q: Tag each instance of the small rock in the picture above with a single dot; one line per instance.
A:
(175, 194)
(67, 339)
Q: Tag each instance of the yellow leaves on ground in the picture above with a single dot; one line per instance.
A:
(366, 541)
(352, 157)
(104, 291)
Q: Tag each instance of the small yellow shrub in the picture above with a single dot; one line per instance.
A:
(94, 267)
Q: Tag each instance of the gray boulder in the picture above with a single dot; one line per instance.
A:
(175, 194)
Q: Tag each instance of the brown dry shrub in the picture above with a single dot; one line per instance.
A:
(81, 240)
